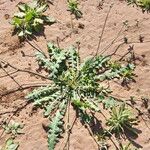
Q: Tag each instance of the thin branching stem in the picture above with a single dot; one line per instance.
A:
(23, 87)
(113, 139)
(22, 70)
(14, 113)
(115, 51)
(112, 42)
(71, 127)
(103, 29)
(36, 48)
(91, 133)
(11, 76)
(145, 122)
(68, 126)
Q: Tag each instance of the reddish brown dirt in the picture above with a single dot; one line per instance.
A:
(35, 137)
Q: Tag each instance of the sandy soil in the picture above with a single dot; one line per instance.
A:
(35, 137)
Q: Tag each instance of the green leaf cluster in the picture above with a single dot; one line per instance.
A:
(144, 4)
(75, 82)
(73, 8)
(10, 145)
(121, 119)
(12, 128)
(30, 18)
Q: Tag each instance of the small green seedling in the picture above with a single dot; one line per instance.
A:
(121, 120)
(127, 73)
(13, 128)
(10, 145)
(73, 8)
(31, 19)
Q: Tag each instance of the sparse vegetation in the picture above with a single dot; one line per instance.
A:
(144, 4)
(31, 19)
(73, 8)
(121, 120)
(13, 128)
(86, 88)
(10, 145)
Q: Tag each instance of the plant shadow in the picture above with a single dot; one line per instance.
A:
(97, 129)
(132, 136)
(96, 125)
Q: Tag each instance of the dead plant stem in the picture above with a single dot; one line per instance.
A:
(103, 29)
